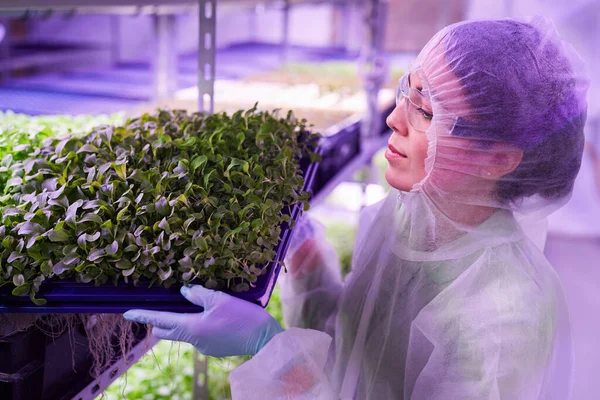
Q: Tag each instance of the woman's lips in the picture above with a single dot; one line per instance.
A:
(392, 154)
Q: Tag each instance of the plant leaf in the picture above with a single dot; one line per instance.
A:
(121, 170)
(21, 290)
(96, 255)
(123, 264)
(198, 162)
(58, 235)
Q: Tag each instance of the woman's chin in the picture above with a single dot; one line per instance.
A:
(397, 181)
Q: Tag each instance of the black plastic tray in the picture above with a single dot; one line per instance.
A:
(337, 151)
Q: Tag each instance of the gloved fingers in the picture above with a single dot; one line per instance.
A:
(165, 334)
(159, 319)
(307, 229)
(200, 295)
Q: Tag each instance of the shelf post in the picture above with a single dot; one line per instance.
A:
(5, 37)
(165, 58)
(206, 55)
(206, 90)
(286, 32)
(373, 67)
(373, 64)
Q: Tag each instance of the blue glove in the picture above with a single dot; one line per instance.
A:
(228, 326)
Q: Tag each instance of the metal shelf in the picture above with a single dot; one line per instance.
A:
(100, 384)
(47, 58)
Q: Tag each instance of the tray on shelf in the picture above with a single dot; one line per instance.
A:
(337, 150)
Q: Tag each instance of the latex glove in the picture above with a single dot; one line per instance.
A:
(228, 326)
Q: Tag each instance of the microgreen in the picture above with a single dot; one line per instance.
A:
(169, 197)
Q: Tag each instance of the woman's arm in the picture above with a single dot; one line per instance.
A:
(293, 364)
(312, 286)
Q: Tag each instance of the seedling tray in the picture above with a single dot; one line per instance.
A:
(337, 151)
(65, 296)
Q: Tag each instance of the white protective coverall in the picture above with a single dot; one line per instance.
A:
(448, 297)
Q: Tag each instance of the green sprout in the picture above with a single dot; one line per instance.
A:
(165, 198)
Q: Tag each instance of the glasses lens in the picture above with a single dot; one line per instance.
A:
(418, 117)
(402, 88)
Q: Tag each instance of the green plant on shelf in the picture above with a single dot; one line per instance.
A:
(341, 77)
(21, 131)
(342, 235)
(170, 197)
(379, 163)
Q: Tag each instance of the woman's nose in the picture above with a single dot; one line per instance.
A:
(397, 119)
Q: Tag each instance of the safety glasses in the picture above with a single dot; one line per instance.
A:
(418, 115)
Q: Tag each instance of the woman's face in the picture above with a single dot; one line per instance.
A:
(407, 147)
(463, 167)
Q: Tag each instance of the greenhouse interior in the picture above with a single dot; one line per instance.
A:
(150, 145)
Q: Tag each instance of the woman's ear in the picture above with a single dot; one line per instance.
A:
(504, 162)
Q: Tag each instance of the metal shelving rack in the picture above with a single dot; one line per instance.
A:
(164, 11)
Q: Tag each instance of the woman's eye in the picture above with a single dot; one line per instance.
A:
(426, 115)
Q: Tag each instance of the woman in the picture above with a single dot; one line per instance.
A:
(448, 298)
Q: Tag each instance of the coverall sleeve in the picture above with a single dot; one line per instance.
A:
(291, 366)
(309, 300)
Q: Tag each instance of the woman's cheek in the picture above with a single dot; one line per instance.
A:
(420, 147)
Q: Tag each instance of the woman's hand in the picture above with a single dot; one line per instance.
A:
(304, 254)
(305, 260)
(228, 326)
